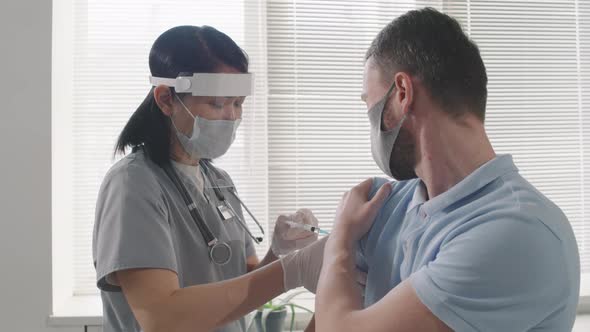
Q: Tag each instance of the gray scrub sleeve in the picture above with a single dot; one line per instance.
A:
(250, 249)
(131, 228)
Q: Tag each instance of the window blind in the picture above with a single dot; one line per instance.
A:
(537, 55)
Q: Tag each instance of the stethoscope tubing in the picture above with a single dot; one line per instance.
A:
(212, 242)
(221, 197)
(208, 236)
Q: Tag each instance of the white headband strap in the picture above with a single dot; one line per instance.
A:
(209, 84)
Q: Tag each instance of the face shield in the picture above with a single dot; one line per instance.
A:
(209, 139)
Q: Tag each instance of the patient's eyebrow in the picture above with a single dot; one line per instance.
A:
(364, 96)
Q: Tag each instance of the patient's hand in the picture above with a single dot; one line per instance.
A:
(355, 213)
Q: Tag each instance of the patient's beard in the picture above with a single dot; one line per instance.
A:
(402, 162)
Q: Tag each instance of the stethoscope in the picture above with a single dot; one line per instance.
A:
(219, 252)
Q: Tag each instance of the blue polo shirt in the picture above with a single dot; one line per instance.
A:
(490, 254)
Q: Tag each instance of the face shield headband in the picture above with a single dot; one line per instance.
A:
(210, 84)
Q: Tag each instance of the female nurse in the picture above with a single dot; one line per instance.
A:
(171, 248)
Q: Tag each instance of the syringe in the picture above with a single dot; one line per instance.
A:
(308, 227)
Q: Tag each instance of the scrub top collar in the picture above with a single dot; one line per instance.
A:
(488, 172)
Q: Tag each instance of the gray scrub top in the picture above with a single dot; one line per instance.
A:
(142, 222)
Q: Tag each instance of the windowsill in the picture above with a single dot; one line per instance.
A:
(584, 305)
(78, 311)
(87, 311)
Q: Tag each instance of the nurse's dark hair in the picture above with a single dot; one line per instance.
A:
(432, 46)
(182, 50)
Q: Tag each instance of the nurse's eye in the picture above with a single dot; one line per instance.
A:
(217, 105)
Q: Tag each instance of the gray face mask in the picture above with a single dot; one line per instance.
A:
(210, 139)
(382, 142)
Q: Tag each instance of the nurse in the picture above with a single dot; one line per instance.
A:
(171, 248)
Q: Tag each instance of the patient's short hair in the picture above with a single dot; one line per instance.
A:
(432, 46)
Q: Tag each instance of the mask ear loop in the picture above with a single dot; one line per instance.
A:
(178, 131)
(189, 113)
(184, 106)
(385, 100)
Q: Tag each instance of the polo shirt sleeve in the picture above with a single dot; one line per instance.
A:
(361, 247)
(131, 227)
(495, 277)
(361, 260)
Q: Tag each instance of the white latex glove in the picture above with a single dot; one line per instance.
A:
(303, 267)
(287, 239)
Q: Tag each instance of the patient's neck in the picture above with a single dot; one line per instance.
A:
(450, 150)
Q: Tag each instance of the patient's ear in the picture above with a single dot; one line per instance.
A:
(404, 91)
(399, 102)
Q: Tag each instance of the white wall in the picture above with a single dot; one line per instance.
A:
(25, 166)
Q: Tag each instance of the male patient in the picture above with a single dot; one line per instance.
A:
(461, 241)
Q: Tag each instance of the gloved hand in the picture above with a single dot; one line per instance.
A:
(303, 267)
(286, 239)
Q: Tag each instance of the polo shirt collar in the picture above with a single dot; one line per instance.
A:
(488, 172)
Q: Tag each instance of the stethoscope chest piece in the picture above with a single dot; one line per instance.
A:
(220, 253)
